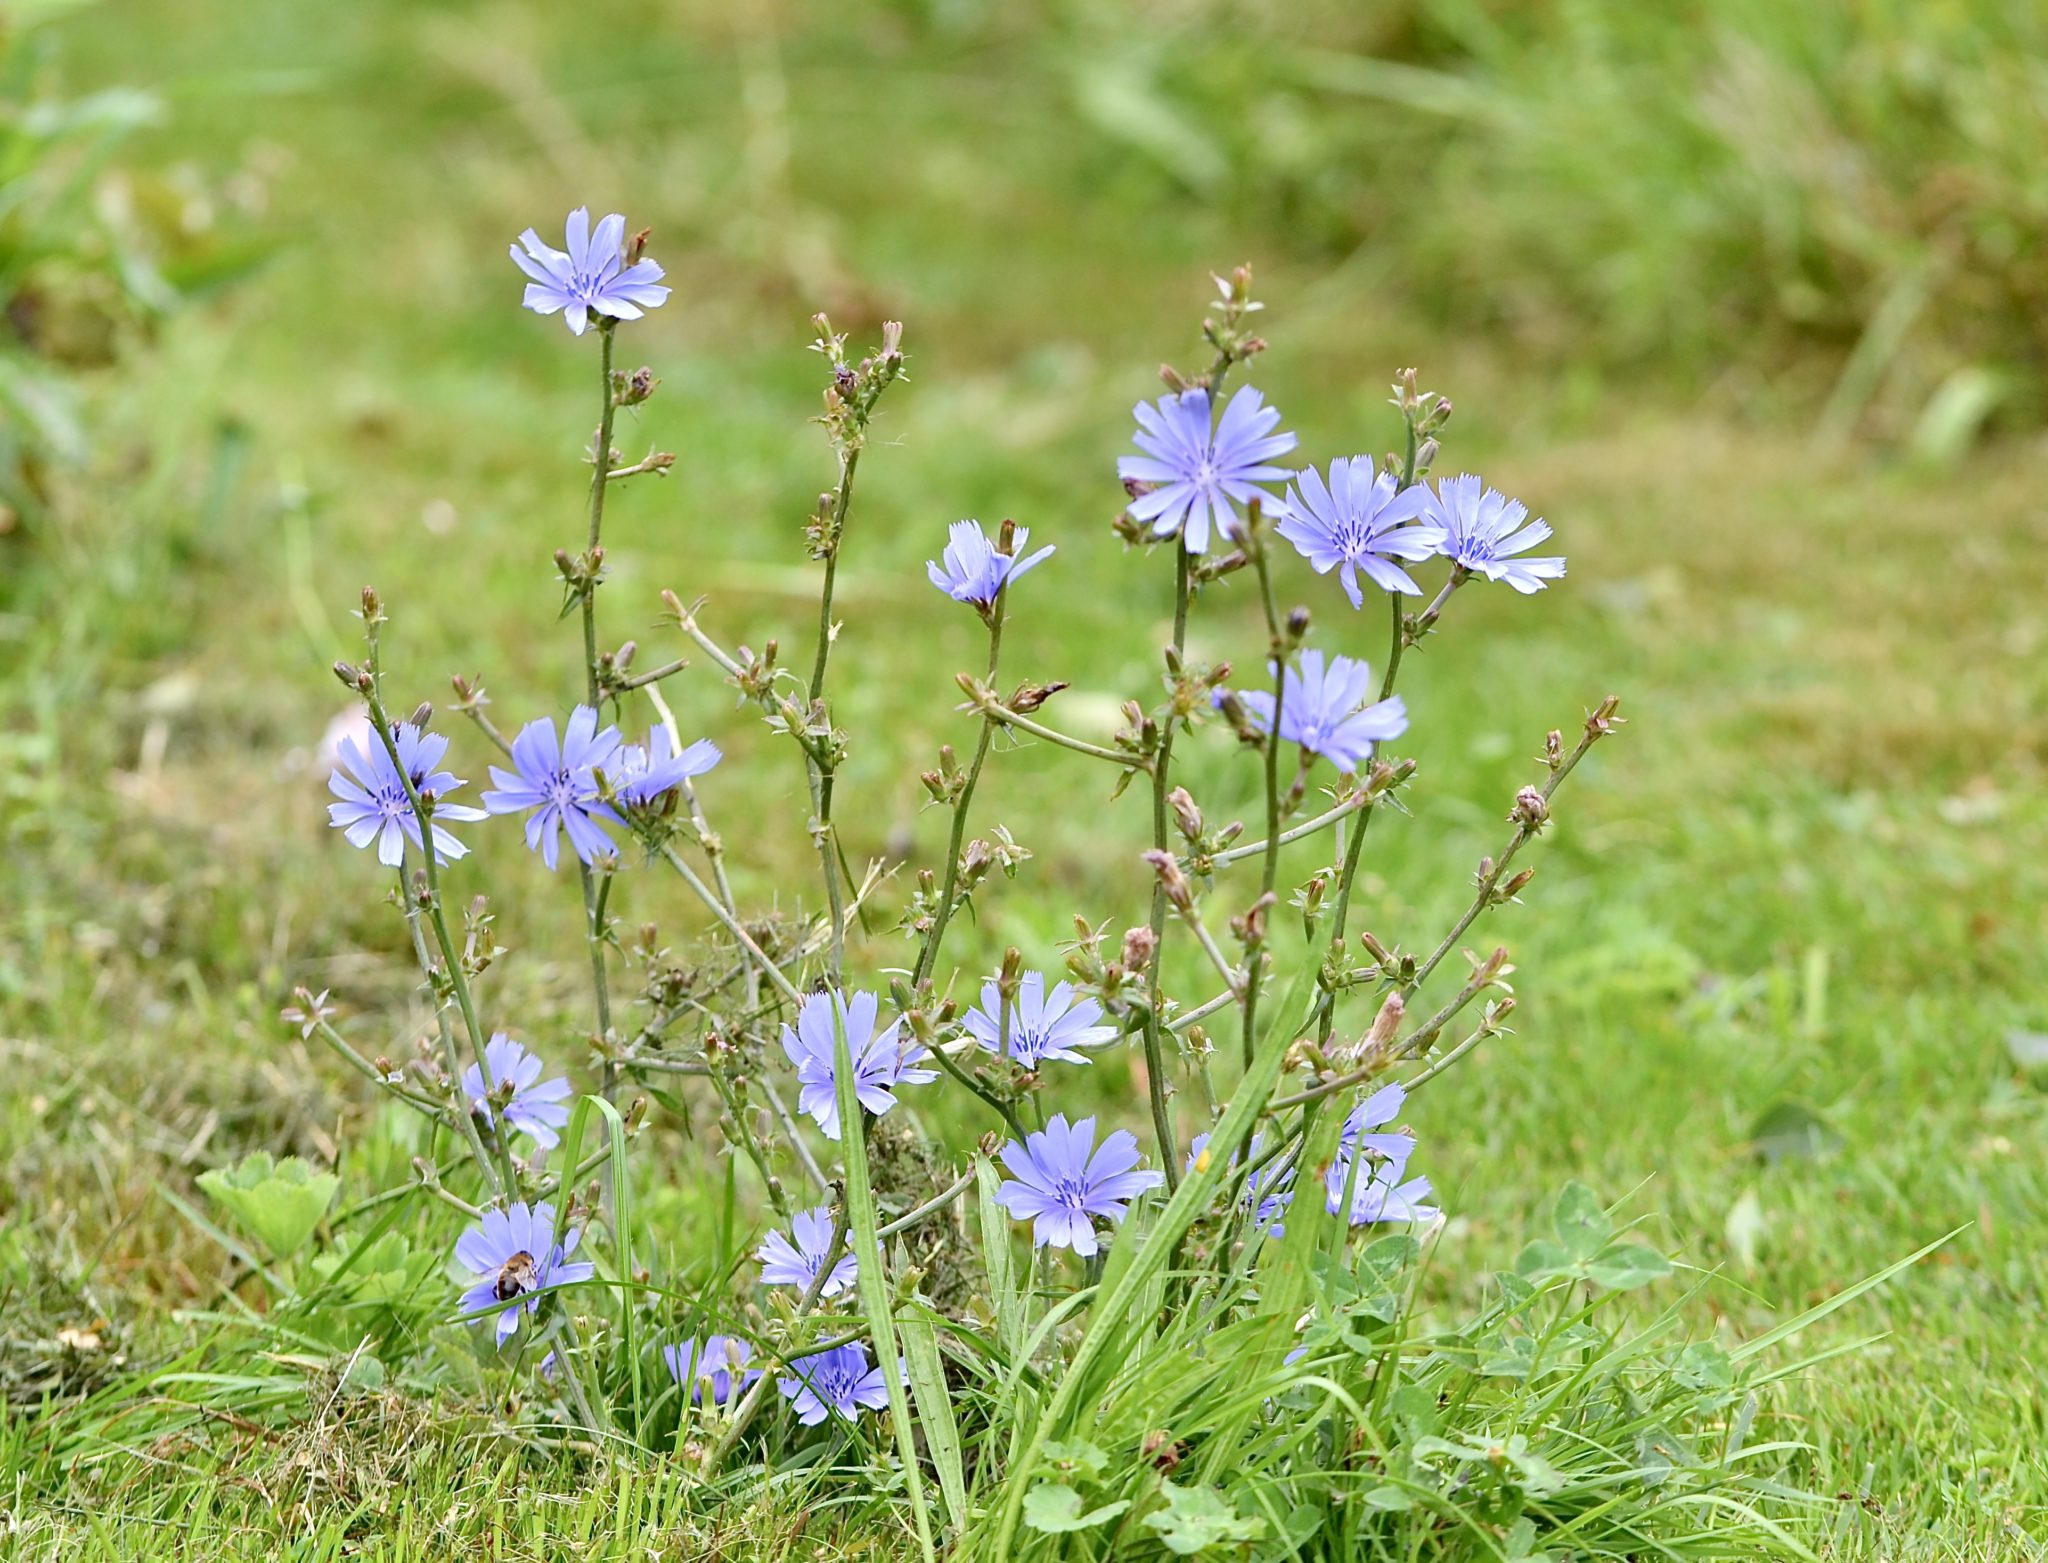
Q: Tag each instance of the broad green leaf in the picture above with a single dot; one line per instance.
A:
(1054, 1507)
(1198, 1517)
(1076, 1454)
(278, 1203)
(1625, 1265)
(1581, 1222)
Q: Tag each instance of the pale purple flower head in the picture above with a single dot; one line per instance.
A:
(796, 1263)
(1199, 475)
(641, 775)
(1325, 710)
(719, 1364)
(973, 569)
(1376, 1112)
(1061, 1182)
(1043, 1026)
(1267, 1190)
(373, 805)
(514, 1255)
(838, 1380)
(880, 1061)
(1357, 524)
(592, 278)
(1382, 1192)
(557, 784)
(1483, 533)
(538, 1106)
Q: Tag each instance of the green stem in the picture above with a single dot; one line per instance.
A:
(928, 956)
(1162, 784)
(1276, 641)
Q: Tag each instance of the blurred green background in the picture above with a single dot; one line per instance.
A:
(1746, 298)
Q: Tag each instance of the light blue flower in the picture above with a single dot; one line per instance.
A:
(880, 1061)
(514, 1255)
(1198, 476)
(973, 569)
(796, 1260)
(557, 784)
(1043, 1026)
(839, 1380)
(1483, 533)
(718, 1364)
(1326, 710)
(373, 804)
(592, 277)
(1061, 1182)
(1358, 523)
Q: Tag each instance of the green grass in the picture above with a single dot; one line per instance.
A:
(1804, 887)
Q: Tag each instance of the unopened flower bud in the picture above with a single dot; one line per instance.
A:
(1186, 813)
(1426, 454)
(1385, 1023)
(935, 784)
(373, 605)
(1006, 537)
(1602, 720)
(1516, 885)
(1531, 809)
(1297, 623)
(1029, 697)
(422, 714)
(1380, 954)
(1138, 948)
(349, 674)
(1171, 879)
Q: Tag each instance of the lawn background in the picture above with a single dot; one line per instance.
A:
(1798, 907)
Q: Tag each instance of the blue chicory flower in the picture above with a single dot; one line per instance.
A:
(839, 1380)
(1199, 475)
(1325, 710)
(1267, 1191)
(1376, 1112)
(719, 1363)
(642, 774)
(540, 1107)
(1358, 523)
(1483, 533)
(1043, 1026)
(557, 784)
(974, 570)
(1381, 1194)
(373, 804)
(516, 1259)
(1062, 1182)
(592, 277)
(880, 1060)
(796, 1263)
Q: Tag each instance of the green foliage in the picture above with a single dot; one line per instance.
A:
(1672, 185)
(1809, 775)
(279, 1203)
